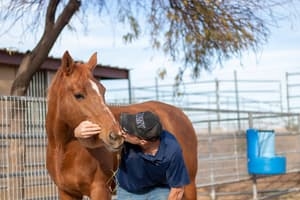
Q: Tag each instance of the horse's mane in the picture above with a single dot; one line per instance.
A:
(53, 84)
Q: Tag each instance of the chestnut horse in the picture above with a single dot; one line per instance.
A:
(177, 123)
(86, 167)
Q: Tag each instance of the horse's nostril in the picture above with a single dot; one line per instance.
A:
(113, 136)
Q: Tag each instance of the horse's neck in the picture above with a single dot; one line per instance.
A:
(59, 134)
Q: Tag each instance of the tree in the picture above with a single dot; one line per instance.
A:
(195, 32)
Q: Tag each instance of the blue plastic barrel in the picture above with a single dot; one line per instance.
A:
(266, 144)
(252, 144)
(261, 153)
(267, 166)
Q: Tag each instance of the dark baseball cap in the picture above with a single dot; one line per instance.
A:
(145, 125)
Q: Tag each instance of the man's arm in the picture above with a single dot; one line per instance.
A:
(176, 193)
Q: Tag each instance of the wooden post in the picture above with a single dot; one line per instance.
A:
(254, 187)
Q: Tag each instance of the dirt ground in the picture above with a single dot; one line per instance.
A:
(281, 187)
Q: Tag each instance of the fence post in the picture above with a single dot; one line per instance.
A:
(218, 100)
(212, 178)
(129, 89)
(298, 123)
(287, 91)
(280, 96)
(288, 97)
(237, 100)
(254, 182)
(250, 120)
(156, 89)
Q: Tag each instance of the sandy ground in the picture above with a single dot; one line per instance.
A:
(282, 187)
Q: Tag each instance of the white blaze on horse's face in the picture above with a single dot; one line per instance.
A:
(95, 87)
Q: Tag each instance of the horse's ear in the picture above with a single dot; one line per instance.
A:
(67, 63)
(93, 61)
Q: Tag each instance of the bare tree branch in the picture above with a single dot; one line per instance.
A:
(197, 33)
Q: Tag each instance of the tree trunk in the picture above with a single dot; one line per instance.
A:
(29, 65)
(34, 59)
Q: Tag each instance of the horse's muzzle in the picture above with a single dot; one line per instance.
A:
(115, 140)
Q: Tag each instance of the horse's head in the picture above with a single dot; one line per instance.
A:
(74, 95)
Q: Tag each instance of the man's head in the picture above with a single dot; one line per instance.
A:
(145, 125)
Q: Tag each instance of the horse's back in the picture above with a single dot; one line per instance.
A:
(176, 122)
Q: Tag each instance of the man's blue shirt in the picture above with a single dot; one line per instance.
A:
(139, 172)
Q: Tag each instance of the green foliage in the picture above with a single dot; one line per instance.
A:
(196, 33)
(201, 33)
(135, 28)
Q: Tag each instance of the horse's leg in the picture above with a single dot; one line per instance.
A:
(190, 191)
(66, 196)
(101, 193)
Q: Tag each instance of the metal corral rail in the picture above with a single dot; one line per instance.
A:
(222, 145)
(221, 149)
(236, 93)
(293, 91)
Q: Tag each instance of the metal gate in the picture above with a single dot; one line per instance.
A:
(293, 91)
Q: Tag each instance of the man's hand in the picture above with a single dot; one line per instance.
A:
(176, 193)
(86, 129)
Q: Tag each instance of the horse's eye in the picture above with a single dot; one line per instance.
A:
(79, 96)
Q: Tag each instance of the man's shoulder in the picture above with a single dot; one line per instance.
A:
(169, 137)
(170, 141)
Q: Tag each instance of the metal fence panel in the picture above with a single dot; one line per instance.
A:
(293, 91)
(238, 94)
(23, 174)
(221, 146)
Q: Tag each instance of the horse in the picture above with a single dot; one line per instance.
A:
(80, 166)
(86, 167)
(176, 122)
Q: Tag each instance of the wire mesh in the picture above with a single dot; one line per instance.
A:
(221, 146)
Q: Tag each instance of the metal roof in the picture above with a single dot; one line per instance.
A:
(14, 58)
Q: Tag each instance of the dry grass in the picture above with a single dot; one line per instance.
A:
(268, 188)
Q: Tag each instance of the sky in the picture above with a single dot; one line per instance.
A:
(279, 55)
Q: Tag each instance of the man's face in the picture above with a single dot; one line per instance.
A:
(130, 137)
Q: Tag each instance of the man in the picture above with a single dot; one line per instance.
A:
(152, 165)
